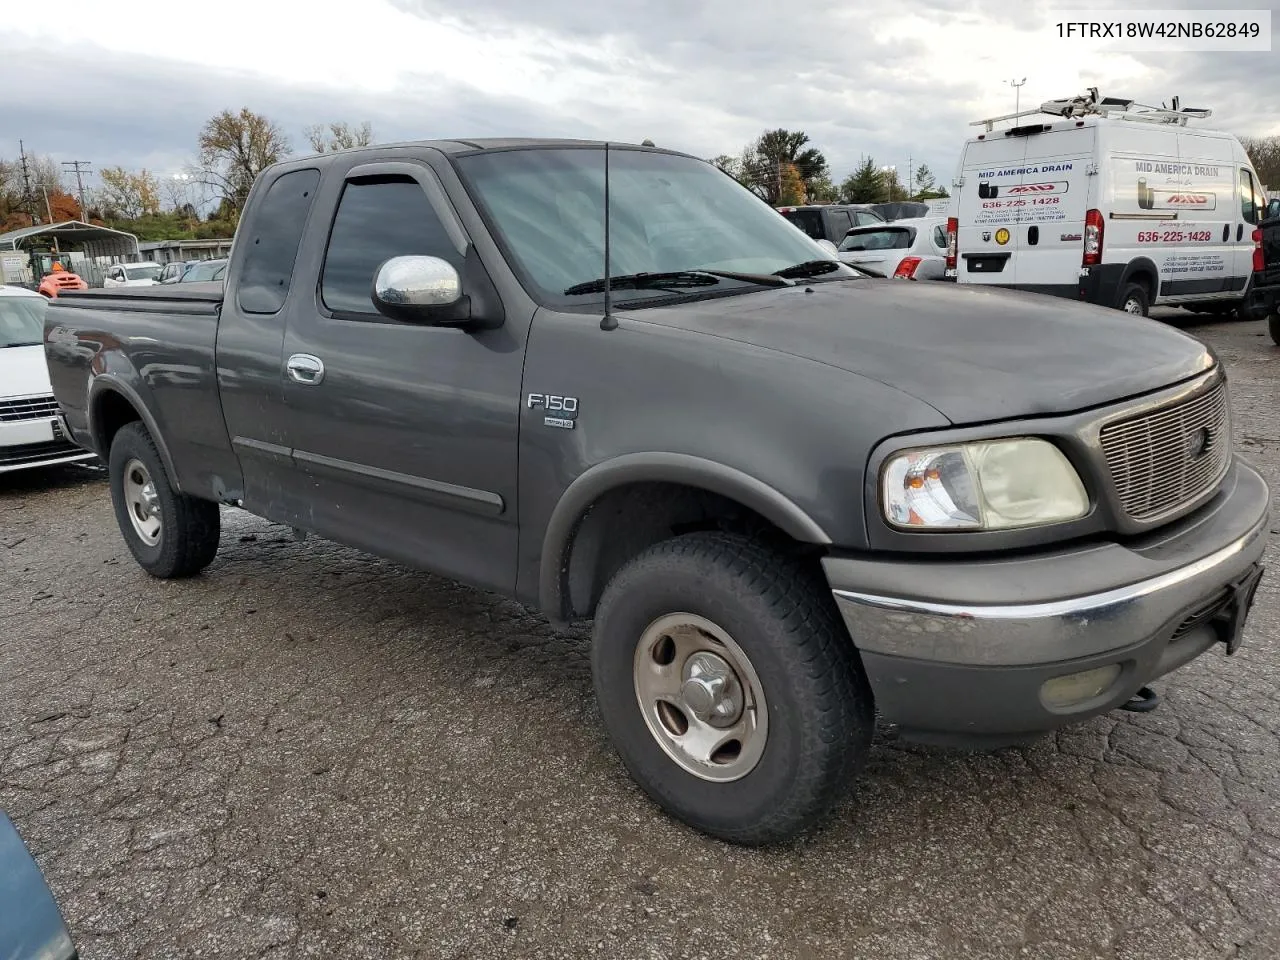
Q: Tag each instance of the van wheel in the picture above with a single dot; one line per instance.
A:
(1273, 327)
(170, 535)
(730, 687)
(1133, 299)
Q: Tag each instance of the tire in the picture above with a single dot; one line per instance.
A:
(815, 706)
(1134, 299)
(1273, 327)
(185, 530)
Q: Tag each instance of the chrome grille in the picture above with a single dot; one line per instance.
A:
(1168, 457)
(30, 408)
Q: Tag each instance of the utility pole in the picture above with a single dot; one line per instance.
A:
(76, 165)
(1017, 93)
(28, 199)
(911, 173)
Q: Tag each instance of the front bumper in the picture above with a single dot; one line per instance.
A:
(960, 651)
(44, 442)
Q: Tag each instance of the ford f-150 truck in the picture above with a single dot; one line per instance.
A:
(788, 496)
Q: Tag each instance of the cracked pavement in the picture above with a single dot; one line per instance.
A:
(309, 752)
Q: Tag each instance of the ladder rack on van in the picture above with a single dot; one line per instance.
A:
(1095, 106)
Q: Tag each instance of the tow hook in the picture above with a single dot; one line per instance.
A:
(1144, 701)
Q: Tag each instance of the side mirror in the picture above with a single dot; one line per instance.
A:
(31, 924)
(420, 290)
(828, 246)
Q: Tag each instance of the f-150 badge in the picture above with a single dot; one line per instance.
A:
(559, 412)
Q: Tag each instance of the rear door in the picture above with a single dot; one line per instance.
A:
(986, 213)
(1051, 202)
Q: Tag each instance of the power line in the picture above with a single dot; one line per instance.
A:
(76, 166)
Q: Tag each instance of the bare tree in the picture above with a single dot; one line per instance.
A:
(1265, 154)
(234, 149)
(338, 136)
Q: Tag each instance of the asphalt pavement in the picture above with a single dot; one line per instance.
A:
(308, 752)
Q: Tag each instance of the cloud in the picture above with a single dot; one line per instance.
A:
(882, 78)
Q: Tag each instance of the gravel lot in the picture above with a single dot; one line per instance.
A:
(309, 752)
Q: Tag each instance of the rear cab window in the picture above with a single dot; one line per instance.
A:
(273, 237)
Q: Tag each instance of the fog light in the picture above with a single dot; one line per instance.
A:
(1077, 688)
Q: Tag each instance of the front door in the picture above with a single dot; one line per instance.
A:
(1248, 213)
(403, 435)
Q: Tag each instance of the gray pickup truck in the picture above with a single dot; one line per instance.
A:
(788, 496)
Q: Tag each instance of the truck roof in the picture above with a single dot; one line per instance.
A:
(471, 145)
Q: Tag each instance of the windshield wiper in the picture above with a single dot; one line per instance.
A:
(675, 279)
(810, 268)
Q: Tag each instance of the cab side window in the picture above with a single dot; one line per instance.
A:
(940, 237)
(378, 218)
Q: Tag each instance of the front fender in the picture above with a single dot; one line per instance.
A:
(658, 467)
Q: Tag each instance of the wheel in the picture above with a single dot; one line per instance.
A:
(1273, 327)
(1134, 299)
(730, 688)
(170, 535)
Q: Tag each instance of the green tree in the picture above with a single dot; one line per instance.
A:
(764, 162)
(822, 190)
(864, 185)
(924, 181)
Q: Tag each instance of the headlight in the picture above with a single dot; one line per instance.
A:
(992, 485)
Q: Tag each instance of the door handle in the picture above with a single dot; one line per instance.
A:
(304, 368)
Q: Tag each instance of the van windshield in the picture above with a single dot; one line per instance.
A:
(667, 213)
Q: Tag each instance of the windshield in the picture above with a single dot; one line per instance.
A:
(891, 238)
(209, 270)
(667, 213)
(151, 272)
(22, 321)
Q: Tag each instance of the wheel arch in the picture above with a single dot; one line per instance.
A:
(674, 473)
(1143, 271)
(112, 404)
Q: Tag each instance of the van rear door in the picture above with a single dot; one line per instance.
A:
(1051, 204)
(985, 212)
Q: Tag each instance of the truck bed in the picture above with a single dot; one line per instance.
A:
(169, 335)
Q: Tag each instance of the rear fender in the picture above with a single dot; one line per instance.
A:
(108, 383)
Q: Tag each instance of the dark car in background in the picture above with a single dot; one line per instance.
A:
(831, 221)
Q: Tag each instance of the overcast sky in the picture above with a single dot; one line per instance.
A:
(130, 84)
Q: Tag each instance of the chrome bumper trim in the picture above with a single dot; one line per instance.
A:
(1013, 634)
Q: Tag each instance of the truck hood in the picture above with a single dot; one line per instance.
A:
(23, 373)
(975, 354)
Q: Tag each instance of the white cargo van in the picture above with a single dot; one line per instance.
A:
(1112, 202)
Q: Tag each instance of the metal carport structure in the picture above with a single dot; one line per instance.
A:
(92, 242)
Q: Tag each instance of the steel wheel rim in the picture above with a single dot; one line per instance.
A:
(701, 698)
(142, 502)
(1133, 306)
